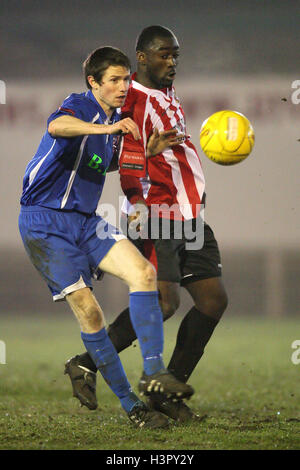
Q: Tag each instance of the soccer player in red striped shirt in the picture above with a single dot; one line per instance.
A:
(169, 186)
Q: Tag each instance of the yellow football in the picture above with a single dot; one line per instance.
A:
(227, 137)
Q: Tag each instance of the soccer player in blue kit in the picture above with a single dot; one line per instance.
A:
(69, 244)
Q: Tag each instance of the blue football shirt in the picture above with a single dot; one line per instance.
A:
(69, 173)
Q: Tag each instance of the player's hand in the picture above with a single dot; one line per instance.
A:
(139, 216)
(125, 126)
(160, 141)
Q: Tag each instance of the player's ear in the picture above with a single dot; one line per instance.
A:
(92, 82)
(141, 57)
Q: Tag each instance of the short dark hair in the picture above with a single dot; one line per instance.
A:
(148, 34)
(100, 59)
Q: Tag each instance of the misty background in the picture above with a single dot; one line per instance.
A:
(241, 55)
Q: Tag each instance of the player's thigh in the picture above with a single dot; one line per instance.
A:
(125, 261)
(108, 250)
(166, 258)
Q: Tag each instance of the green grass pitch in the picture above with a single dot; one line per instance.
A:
(247, 390)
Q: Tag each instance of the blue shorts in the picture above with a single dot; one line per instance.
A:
(66, 247)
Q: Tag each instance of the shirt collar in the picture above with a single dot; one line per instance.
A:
(165, 90)
(89, 94)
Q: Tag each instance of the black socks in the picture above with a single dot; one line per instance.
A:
(194, 333)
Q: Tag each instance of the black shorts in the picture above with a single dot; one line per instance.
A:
(175, 263)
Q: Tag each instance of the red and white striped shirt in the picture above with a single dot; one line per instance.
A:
(173, 178)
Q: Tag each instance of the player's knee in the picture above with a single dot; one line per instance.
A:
(169, 308)
(149, 276)
(221, 303)
(93, 318)
(213, 305)
(146, 276)
(86, 310)
(224, 302)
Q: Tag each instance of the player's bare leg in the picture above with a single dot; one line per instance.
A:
(87, 310)
(126, 262)
(169, 297)
(209, 296)
(91, 319)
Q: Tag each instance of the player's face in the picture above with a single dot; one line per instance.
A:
(112, 91)
(161, 61)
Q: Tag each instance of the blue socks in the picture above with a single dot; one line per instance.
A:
(146, 319)
(104, 355)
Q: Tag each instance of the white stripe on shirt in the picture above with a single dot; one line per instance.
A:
(33, 172)
(181, 196)
(170, 158)
(196, 168)
(75, 167)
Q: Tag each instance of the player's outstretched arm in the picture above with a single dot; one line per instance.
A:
(69, 126)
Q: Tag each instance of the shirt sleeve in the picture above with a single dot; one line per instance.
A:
(132, 167)
(132, 188)
(132, 160)
(72, 106)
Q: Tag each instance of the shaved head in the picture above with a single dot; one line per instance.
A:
(149, 34)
